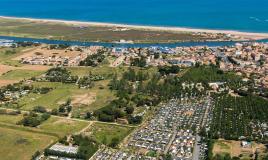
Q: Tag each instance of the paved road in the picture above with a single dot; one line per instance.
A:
(196, 148)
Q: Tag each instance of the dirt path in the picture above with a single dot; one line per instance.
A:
(87, 127)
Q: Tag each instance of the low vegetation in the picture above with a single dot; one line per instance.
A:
(21, 145)
(108, 134)
(61, 31)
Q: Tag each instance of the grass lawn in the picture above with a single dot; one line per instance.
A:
(103, 96)
(57, 126)
(104, 133)
(104, 70)
(63, 126)
(60, 93)
(7, 54)
(21, 145)
(20, 74)
(10, 119)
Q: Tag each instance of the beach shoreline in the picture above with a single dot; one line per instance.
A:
(242, 35)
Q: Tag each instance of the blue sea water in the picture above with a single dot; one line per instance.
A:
(242, 15)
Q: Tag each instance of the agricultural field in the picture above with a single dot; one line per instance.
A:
(21, 145)
(234, 149)
(12, 71)
(20, 74)
(7, 54)
(7, 82)
(104, 133)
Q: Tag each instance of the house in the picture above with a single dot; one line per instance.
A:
(246, 144)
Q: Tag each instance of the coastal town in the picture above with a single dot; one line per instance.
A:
(133, 80)
(249, 59)
(99, 102)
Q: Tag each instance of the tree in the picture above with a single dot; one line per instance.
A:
(62, 108)
(88, 115)
(54, 111)
(134, 120)
(40, 109)
(167, 157)
(104, 140)
(114, 142)
(129, 109)
(45, 116)
(36, 154)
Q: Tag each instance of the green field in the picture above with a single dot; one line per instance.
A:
(6, 55)
(104, 70)
(20, 74)
(9, 119)
(53, 126)
(102, 97)
(104, 133)
(63, 126)
(60, 93)
(21, 145)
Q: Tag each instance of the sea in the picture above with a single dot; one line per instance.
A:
(240, 15)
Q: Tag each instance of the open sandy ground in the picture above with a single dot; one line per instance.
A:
(84, 99)
(6, 68)
(7, 82)
(234, 148)
(43, 51)
(246, 35)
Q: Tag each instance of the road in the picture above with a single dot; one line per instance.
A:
(204, 119)
(196, 148)
(75, 119)
(174, 133)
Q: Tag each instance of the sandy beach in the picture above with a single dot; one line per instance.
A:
(243, 35)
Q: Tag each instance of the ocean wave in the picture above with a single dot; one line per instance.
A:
(258, 20)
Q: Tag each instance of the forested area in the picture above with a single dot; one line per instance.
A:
(239, 116)
(60, 74)
(206, 74)
(94, 59)
(33, 120)
(136, 88)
